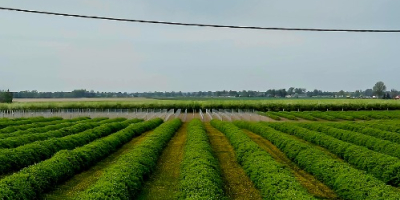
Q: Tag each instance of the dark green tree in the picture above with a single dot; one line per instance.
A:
(379, 89)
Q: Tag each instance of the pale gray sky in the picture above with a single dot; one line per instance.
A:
(50, 53)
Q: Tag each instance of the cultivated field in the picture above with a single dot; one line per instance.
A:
(233, 103)
(211, 155)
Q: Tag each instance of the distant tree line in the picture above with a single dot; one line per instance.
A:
(379, 91)
(6, 96)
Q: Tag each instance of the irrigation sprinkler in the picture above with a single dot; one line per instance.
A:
(185, 116)
(201, 115)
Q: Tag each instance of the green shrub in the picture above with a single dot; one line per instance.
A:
(383, 167)
(347, 182)
(125, 177)
(361, 128)
(8, 124)
(62, 124)
(17, 158)
(376, 144)
(270, 115)
(272, 179)
(32, 181)
(286, 115)
(199, 175)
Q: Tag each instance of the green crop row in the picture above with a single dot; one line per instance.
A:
(361, 128)
(199, 176)
(383, 167)
(385, 126)
(373, 143)
(124, 179)
(260, 105)
(344, 115)
(17, 158)
(11, 129)
(286, 115)
(27, 121)
(270, 177)
(65, 123)
(303, 115)
(69, 129)
(347, 182)
(270, 115)
(321, 115)
(32, 181)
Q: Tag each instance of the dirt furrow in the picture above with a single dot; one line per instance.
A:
(84, 180)
(164, 182)
(315, 187)
(237, 184)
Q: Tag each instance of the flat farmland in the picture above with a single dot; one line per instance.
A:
(293, 155)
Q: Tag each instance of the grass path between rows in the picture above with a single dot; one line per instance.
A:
(164, 182)
(313, 186)
(84, 180)
(237, 184)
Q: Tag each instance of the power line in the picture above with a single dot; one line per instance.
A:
(200, 25)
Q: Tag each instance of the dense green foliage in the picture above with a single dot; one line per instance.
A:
(286, 115)
(32, 181)
(303, 115)
(361, 128)
(270, 177)
(199, 175)
(11, 129)
(392, 127)
(347, 182)
(383, 167)
(61, 124)
(373, 143)
(6, 97)
(270, 115)
(341, 115)
(5, 124)
(259, 105)
(321, 115)
(13, 142)
(124, 178)
(17, 158)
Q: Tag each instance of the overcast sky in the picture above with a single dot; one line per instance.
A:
(50, 53)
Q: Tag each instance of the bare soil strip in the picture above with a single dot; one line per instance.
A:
(164, 182)
(84, 180)
(315, 187)
(237, 184)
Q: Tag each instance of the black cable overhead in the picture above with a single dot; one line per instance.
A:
(201, 25)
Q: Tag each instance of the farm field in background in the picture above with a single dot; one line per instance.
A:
(219, 155)
(232, 103)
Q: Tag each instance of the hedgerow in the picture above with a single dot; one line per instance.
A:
(17, 158)
(125, 177)
(270, 115)
(347, 182)
(32, 181)
(373, 143)
(286, 115)
(27, 121)
(321, 115)
(340, 115)
(200, 177)
(384, 126)
(361, 128)
(13, 142)
(64, 124)
(272, 179)
(11, 129)
(383, 167)
(303, 115)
